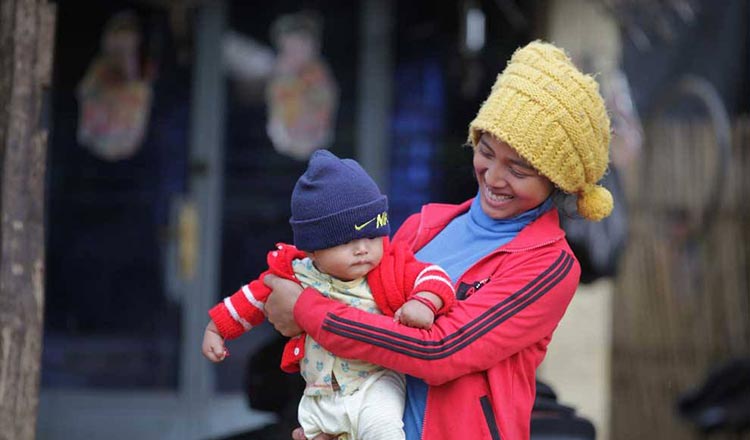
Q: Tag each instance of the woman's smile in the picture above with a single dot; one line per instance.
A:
(496, 196)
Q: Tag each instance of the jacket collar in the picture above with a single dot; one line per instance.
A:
(542, 231)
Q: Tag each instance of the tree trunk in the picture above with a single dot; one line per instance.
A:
(26, 44)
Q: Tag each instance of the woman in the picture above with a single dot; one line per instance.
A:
(544, 128)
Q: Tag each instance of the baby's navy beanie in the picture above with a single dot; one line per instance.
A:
(334, 202)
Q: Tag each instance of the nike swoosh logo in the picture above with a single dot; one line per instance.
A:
(359, 227)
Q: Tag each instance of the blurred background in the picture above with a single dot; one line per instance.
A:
(178, 128)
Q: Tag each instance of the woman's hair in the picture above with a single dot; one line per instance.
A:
(565, 203)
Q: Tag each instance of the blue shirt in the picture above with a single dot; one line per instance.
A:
(469, 237)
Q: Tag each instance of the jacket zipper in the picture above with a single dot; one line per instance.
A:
(424, 419)
(509, 251)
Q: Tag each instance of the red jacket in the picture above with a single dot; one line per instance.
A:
(398, 276)
(480, 359)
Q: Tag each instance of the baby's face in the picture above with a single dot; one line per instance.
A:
(349, 261)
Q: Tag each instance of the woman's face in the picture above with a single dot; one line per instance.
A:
(508, 185)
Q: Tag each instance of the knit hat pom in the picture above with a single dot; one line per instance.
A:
(595, 202)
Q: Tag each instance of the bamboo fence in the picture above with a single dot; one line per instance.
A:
(682, 301)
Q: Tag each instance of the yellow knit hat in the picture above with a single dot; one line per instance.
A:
(555, 118)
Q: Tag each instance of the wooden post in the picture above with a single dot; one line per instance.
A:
(26, 46)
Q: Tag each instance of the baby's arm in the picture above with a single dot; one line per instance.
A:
(232, 317)
(241, 311)
(431, 294)
(244, 309)
(213, 344)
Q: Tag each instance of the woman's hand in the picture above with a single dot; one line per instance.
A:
(280, 304)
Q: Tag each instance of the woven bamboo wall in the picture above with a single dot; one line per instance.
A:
(682, 303)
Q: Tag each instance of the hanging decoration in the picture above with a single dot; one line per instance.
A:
(302, 95)
(114, 96)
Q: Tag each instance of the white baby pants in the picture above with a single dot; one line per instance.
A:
(373, 412)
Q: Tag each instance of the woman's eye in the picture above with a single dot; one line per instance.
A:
(518, 173)
(486, 153)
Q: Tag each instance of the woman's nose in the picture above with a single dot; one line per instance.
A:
(495, 176)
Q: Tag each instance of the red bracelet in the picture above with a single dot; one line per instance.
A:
(426, 302)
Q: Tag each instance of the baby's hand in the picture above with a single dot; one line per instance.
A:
(213, 344)
(414, 314)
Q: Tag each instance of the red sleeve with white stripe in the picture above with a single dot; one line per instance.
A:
(519, 307)
(413, 276)
(241, 311)
(245, 308)
(432, 278)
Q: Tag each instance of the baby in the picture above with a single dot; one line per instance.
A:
(340, 225)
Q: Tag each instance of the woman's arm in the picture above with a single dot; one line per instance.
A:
(511, 312)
